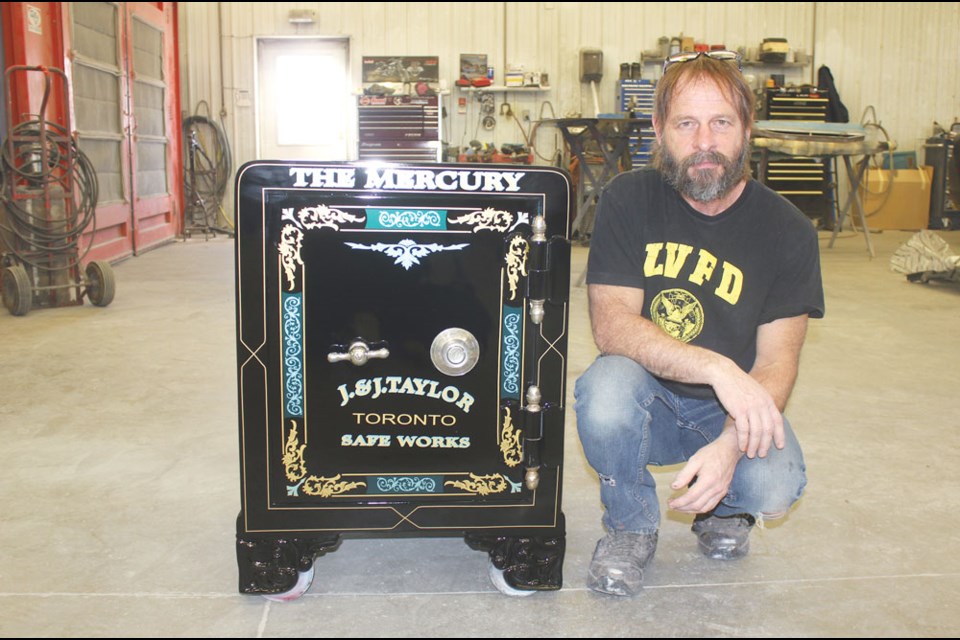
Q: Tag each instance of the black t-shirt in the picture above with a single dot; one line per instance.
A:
(710, 281)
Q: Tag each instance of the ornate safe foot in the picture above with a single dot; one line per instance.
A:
(521, 565)
(279, 568)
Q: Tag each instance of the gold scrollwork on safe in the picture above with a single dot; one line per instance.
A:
(326, 487)
(296, 469)
(323, 216)
(291, 239)
(293, 455)
(291, 236)
(516, 260)
(510, 441)
(492, 219)
(482, 485)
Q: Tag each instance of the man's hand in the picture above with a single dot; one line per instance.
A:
(712, 467)
(753, 400)
(755, 415)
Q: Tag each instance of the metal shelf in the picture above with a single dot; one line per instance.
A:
(499, 88)
(791, 65)
(746, 63)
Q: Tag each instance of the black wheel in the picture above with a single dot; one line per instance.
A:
(101, 285)
(17, 291)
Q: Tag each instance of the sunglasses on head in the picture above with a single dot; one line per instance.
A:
(687, 56)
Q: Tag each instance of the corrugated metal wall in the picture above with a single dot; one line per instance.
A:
(896, 57)
(899, 58)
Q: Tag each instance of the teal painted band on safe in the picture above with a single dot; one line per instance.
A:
(293, 354)
(405, 484)
(407, 219)
(512, 334)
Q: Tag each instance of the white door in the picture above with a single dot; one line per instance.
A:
(303, 99)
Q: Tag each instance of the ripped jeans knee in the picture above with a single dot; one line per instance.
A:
(767, 487)
(608, 481)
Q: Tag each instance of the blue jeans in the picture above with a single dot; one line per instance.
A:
(627, 420)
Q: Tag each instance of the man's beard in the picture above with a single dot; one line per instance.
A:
(705, 185)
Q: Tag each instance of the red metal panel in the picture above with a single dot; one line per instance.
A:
(158, 219)
(111, 238)
(39, 34)
(32, 37)
(138, 223)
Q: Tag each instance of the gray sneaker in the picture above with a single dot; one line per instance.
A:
(725, 538)
(618, 562)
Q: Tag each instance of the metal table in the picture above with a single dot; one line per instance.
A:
(813, 139)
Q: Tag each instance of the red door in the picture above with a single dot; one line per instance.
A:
(123, 65)
(154, 121)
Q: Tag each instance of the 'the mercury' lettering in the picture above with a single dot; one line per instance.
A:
(423, 179)
(408, 179)
(323, 177)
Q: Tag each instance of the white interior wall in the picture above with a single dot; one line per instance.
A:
(895, 57)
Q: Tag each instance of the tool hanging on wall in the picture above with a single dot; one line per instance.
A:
(591, 70)
(487, 110)
(50, 194)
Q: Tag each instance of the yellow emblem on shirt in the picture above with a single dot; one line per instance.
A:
(678, 313)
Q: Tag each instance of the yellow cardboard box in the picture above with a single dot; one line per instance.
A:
(897, 199)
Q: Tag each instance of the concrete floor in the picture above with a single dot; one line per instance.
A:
(120, 483)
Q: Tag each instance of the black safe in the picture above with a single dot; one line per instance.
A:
(401, 363)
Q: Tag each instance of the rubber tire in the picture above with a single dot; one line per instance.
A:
(101, 284)
(304, 580)
(17, 290)
(496, 577)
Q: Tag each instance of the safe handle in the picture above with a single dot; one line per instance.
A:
(358, 353)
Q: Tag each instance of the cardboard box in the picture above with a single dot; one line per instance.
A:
(897, 200)
(514, 79)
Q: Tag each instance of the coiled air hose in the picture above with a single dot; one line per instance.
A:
(41, 162)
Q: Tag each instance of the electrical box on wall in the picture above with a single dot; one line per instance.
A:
(591, 65)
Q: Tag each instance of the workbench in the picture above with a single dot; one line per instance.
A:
(823, 139)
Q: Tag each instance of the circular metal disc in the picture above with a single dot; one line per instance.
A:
(455, 351)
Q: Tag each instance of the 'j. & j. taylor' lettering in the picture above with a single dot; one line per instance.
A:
(377, 387)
